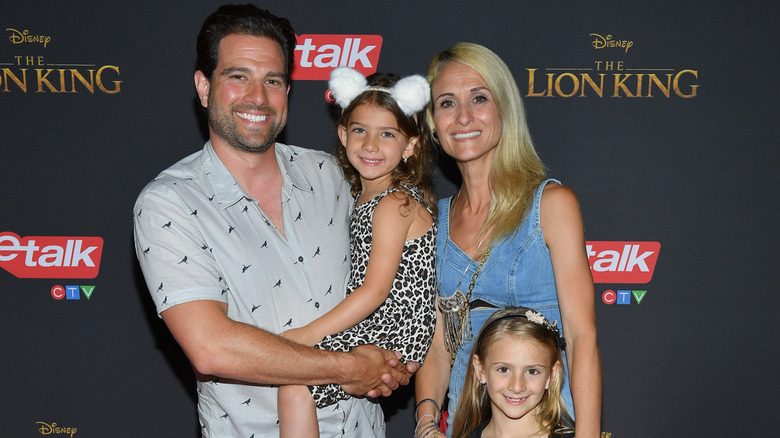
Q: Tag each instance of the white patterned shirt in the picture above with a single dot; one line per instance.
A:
(199, 236)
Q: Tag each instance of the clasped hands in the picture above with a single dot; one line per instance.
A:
(379, 371)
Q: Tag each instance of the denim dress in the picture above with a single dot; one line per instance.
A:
(518, 272)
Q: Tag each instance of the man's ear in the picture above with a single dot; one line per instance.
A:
(202, 85)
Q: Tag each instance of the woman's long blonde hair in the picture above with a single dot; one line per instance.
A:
(516, 170)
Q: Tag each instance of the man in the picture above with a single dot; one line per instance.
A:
(248, 238)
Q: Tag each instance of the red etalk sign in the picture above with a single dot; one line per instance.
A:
(50, 256)
(622, 262)
(317, 55)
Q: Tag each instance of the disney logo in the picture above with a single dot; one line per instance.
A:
(607, 42)
(21, 37)
(48, 429)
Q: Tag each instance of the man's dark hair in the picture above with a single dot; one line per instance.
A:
(243, 20)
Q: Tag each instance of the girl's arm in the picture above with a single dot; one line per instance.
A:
(564, 235)
(431, 382)
(390, 231)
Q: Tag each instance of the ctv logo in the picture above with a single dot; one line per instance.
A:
(50, 256)
(622, 262)
(623, 296)
(70, 292)
(317, 55)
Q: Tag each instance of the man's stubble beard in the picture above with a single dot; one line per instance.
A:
(223, 125)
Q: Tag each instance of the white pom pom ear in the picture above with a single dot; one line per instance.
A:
(346, 84)
(412, 94)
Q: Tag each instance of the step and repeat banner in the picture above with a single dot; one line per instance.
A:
(660, 116)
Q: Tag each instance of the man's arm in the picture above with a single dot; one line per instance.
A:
(166, 233)
(219, 346)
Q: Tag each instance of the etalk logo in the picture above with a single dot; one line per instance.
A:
(50, 256)
(622, 262)
(317, 55)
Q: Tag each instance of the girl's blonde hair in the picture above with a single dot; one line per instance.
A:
(516, 170)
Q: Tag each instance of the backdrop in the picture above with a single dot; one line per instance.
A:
(660, 115)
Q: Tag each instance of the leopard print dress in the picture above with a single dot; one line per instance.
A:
(405, 321)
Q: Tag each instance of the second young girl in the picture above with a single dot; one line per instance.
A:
(514, 380)
(390, 294)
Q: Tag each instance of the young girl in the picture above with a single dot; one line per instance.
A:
(513, 384)
(390, 294)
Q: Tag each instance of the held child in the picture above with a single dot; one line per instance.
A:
(390, 294)
(513, 384)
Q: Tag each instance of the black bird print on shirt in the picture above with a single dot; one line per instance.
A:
(289, 323)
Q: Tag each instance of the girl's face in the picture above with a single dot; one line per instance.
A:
(517, 373)
(375, 145)
(465, 114)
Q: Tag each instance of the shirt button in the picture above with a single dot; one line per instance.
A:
(300, 259)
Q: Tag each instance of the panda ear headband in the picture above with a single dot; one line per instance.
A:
(411, 93)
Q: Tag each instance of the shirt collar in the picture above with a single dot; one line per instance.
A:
(227, 191)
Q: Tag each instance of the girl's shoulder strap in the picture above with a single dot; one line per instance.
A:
(410, 191)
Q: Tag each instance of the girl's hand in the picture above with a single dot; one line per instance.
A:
(301, 335)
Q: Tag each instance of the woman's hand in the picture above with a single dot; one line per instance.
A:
(427, 428)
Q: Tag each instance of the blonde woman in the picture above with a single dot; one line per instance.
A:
(508, 237)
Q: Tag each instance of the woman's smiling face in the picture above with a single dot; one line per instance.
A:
(465, 115)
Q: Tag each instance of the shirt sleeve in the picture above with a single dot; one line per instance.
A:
(177, 264)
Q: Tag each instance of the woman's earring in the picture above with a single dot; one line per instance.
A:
(405, 158)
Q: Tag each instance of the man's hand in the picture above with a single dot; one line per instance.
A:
(379, 372)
